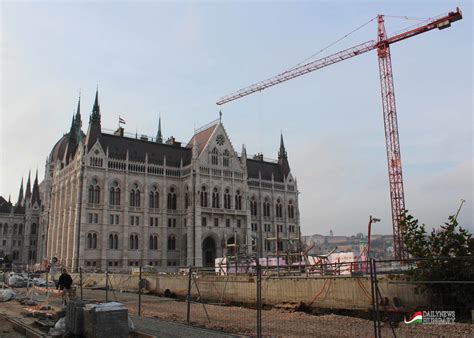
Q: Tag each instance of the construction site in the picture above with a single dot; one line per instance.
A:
(244, 284)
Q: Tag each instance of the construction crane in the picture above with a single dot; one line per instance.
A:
(382, 45)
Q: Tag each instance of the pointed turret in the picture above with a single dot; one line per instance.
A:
(20, 195)
(72, 141)
(159, 135)
(73, 132)
(283, 158)
(282, 152)
(243, 155)
(28, 189)
(95, 116)
(35, 196)
(78, 121)
(94, 132)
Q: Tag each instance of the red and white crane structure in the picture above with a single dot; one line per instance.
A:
(382, 45)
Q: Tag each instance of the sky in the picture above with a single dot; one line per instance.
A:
(175, 59)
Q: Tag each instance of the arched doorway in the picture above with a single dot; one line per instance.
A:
(209, 252)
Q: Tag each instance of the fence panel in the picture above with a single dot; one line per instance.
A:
(429, 297)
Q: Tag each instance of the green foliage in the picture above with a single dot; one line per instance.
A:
(445, 255)
(450, 240)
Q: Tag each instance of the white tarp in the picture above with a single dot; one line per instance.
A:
(6, 295)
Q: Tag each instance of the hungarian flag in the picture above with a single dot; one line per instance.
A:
(121, 120)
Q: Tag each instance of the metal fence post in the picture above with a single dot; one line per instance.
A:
(47, 282)
(106, 284)
(80, 280)
(374, 316)
(140, 284)
(377, 301)
(188, 297)
(259, 299)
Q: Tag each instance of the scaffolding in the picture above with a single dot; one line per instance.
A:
(293, 256)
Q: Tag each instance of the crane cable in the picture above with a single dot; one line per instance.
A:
(333, 43)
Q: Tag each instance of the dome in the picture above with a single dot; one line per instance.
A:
(59, 148)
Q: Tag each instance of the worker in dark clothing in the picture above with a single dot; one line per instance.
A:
(64, 284)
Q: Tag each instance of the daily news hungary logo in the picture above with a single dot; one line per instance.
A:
(432, 317)
(417, 318)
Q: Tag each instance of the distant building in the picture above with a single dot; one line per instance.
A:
(381, 245)
(20, 235)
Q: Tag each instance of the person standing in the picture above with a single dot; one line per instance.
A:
(64, 284)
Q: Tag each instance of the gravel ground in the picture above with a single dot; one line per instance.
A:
(7, 330)
(240, 320)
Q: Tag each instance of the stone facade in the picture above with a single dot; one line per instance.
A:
(115, 201)
(20, 234)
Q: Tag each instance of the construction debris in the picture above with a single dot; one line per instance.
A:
(6, 295)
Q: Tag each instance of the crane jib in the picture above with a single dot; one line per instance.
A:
(439, 22)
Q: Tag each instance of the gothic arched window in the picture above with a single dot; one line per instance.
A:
(171, 203)
(266, 208)
(186, 198)
(154, 198)
(278, 209)
(94, 192)
(253, 206)
(91, 240)
(114, 196)
(153, 245)
(171, 242)
(113, 241)
(215, 198)
(291, 210)
(133, 242)
(214, 156)
(135, 196)
(226, 158)
(227, 199)
(238, 200)
(203, 197)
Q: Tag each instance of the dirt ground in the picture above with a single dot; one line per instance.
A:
(275, 323)
(242, 320)
(7, 330)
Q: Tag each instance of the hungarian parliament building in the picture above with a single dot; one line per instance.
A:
(109, 200)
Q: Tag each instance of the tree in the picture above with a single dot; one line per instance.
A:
(445, 256)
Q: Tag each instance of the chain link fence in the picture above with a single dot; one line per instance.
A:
(379, 298)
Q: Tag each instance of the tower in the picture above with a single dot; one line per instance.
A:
(94, 132)
(159, 135)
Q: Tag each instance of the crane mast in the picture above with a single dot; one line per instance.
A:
(392, 142)
(382, 45)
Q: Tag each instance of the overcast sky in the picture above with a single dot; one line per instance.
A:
(177, 59)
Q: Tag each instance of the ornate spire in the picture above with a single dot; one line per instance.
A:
(159, 135)
(283, 158)
(28, 189)
(78, 120)
(35, 197)
(20, 194)
(94, 132)
(95, 116)
(282, 152)
(73, 132)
